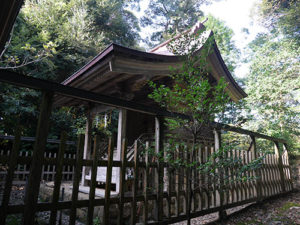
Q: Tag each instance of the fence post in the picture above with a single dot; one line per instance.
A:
(87, 144)
(108, 180)
(159, 173)
(289, 173)
(258, 171)
(280, 166)
(10, 174)
(76, 179)
(93, 183)
(32, 190)
(58, 176)
(135, 183)
(122, 181)
(222, 212)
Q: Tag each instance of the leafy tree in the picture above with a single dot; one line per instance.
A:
(281, 16)
(169, 17)
(52, 39)
(273, 85)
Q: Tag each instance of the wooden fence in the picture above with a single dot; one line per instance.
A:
(22, 170)
(164, 198)
(48, 172)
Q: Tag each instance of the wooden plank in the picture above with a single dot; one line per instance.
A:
(122, 124)
(12, 163)
(187, 184)
(289, 170)
(58, 176)
(40, 84)
(169, 182)
(122, 181)
(135, 184)
(159, 177)
(257, 171)
(76, 179)
(278, 155)
(108, 180)
(32, 189)
(87, 143)
(93, 182)
(178, 181)
(146, 183)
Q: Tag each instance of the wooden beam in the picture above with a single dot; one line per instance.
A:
(33, 187)
(39, 84)
(159, 185)
(87, 144)
(121, 135)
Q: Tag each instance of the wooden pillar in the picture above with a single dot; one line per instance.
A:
(280, 166)
(258, 171)
(220, 197)
(121, 135)
(287, 163)
(33, 187)
(87, 144)
(160, 171)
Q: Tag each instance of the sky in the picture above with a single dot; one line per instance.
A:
(236, 15)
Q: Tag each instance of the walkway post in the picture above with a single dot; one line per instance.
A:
(33, 187)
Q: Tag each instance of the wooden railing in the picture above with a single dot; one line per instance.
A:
(48, 172)
(160, 182)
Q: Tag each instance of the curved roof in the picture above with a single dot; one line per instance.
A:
(123, 72)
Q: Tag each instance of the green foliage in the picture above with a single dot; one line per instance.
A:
(273, 85)
(223, 37)
(171, 17)
(281, 17)
(52, 39)
(191, 92)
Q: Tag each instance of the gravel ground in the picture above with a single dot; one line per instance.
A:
(42, 218)
(281, 211)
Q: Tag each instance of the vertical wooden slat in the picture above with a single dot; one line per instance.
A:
(108, 180)
(257, 172)
(169, 186)
(178, 181)
(135, 184)
(202, 177)
(159, 174)
(218, 145)
(58, 177)
(280, 166)
(187, 183)
(87, 143)
(287, 163)
(33, 187)
(146, 183)
(76, 178)
(122, 180)
(93, 183)
(10, 174)
(122, 129)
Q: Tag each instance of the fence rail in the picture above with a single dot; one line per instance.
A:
(23, 167)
